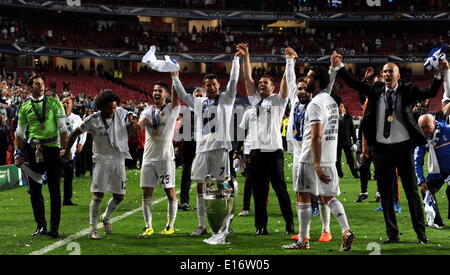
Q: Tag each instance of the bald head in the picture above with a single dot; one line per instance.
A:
(391, 75)
(427, 124)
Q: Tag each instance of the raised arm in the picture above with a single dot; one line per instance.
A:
(336, 64)
(181, 92)
(446, 97)
(249, 82)
(429, 92)
(234, 77)
(174, 97)
(291, 85)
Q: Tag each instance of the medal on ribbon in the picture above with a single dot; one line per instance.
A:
(40, 117)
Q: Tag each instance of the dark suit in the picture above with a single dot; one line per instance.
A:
(388, 157)
(346, 138)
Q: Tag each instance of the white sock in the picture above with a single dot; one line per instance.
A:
(305, 214)
(147, 210)
(172, 208)
(324, 216)
(94, 208)
(201, 211)
(112, 206)
(338, 211)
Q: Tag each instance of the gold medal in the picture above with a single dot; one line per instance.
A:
(155, 132)
(295, 132)
(390, 119)
(42, 127)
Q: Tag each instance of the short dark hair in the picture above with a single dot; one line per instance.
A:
(104, 97)
(32, 78)
(320, 74)
(164, 85)
(210, 76)
(269, 77)
(301, 79)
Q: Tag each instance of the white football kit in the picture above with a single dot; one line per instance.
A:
(109, 174)
(295, 130)
(158, 160)
(73, 121)
(212, 125)
(324, 110)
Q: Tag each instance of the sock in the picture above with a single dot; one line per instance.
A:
(172, 208)
(201, 211)
(324, 216)
(338, 211)
(147, 210)
(112, 206)
(94, 207)
(305, 214)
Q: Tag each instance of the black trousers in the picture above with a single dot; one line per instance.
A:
(131, 163)
(262, 167)
(188, 154)
(68, 179)
(350, 160)
(434, 186)
(247, 186)
(52, 166)
(387, 158)
(364, 172)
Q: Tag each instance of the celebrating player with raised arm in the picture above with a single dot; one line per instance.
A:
(317, 169)
(213, 115)
(299, 100)
(158, 161)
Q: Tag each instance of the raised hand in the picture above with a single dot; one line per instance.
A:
(369, 72)
(290, 53)
(443, 65)
(241, 50)
(174, 74)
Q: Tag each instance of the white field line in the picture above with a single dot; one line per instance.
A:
(87, 230)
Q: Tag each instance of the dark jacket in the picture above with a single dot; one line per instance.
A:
(347, 133)
(407, 95)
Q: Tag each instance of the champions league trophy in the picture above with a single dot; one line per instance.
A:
(220, 202)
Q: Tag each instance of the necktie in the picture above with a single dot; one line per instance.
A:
(389, 111)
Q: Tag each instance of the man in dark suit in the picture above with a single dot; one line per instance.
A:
(346, 139)
(389, 126)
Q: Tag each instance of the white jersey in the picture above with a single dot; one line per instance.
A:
(103, 150)
(73, 121)
(212, 117)
(324, 110)
(297, 114)
(159, 133)
(246, 125)
(266, 120)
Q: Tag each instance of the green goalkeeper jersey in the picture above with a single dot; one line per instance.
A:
(42, 125)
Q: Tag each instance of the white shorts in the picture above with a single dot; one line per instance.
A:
(309, 182)
(109, 178)
(215, 163)
(162, 171)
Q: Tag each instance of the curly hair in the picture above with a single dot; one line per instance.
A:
(104, 97)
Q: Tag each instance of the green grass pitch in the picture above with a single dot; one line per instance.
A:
(17, 223)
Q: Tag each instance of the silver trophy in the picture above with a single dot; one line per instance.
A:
(220, 202)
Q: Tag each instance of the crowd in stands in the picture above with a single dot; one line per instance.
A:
(130, 36)
(283, 5)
